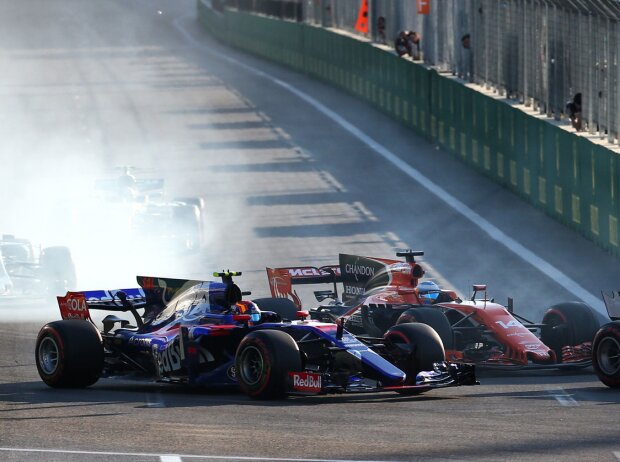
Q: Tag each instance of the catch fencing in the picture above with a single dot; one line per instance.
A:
(538, 52)
(571, 178)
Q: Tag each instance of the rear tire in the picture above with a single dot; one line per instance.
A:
(190, 225)
(606, 354)
(264, 359)
(57, 270)
(283, 307)
(433, 317)
(415, 347)
(568, 324)
(69, 354)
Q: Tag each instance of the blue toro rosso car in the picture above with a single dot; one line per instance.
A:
(204, 333)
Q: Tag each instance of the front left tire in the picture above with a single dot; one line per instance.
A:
(263, 360)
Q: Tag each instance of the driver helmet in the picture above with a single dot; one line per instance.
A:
(428, 291)
(247, 307)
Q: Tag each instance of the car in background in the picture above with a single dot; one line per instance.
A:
(379, 294)
(152, 219)
(205, 333)
(26, 270)
(606, 347)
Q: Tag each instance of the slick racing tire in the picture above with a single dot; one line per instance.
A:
(57, 270)
(568, 324)
(189, 219)
(69, 354)
(433, 317)
(283, 307)
(414, 347)
(263, 360)
(606, 354)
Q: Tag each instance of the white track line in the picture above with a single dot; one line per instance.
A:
(177, 457)
(485, 226)
(562, 397)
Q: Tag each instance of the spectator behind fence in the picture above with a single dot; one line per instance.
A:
(381, 30)
(466, 59)
(402, 44)
(466, 41)
(414, 45)
(574, 111)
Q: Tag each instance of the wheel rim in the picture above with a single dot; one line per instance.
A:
(48, 355)
(252, 365)
(609, 355)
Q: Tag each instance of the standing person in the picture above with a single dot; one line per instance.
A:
(466, 41)
(402, 44)
(414, 43)
(466, 59)
(574, 111)
(381, 30)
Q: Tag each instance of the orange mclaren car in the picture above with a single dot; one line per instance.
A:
(378, 293)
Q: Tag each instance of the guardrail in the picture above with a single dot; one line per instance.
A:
(570, 177)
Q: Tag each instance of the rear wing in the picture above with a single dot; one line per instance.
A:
(353, 271)
(281, 280)
(141, 185)
(77, 305)
(612, 304)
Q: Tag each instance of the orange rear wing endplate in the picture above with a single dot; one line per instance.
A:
(281, 280)
(74, 306)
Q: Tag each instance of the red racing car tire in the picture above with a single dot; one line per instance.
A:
(606, 354)
(69, 354)
(262, 363)
(568, 324)
(416, 347)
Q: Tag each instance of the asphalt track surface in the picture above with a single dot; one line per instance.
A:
(88, 85)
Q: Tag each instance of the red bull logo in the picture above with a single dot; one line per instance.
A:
(306, 381)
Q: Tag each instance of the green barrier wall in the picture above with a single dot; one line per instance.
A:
(567, 176)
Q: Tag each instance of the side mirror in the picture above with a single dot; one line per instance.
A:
(302, 315)
(479, 288)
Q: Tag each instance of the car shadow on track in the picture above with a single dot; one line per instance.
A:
(154, 395)
(515, 372)
(569, 396)
(181, 396)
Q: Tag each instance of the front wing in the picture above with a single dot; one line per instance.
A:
(443, 375)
